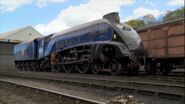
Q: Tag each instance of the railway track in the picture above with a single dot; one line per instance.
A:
(150, 78)
(64, 98)
(165, 89)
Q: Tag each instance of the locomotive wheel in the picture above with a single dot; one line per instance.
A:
(68, 68)
(134, 69)
(115, 67)
(58, 68)
(83, 67)
(95, 68)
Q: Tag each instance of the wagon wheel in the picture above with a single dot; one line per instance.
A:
(83, 67)
(95, 68)
(115, 67)
(151, 68)
(68, 68)
(165, 69)
(134, 69)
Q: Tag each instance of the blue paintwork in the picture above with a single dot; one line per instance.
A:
(25, 51)
(100, 31)
(42, 44)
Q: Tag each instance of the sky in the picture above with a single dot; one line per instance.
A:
(49, 16)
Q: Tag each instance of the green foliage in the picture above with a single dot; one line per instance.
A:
(170, 16)
(136, 23)
(173, 15)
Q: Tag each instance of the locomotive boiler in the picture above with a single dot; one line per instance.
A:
(100, 45)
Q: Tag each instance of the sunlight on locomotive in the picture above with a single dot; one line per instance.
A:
(114, 37)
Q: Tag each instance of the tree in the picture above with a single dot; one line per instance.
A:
(136, 23)
(149, 19)
(173, 15)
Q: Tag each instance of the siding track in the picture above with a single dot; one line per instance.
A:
(64, 98)
(139, 85)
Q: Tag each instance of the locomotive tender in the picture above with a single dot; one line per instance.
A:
(101, 45)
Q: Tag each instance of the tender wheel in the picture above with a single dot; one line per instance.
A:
(19, 66)
(134, 69)
(83, 67)
(115, 67)
(33, 66)
(68, 68)
(95, 68)
(23, 66)
(27, 66)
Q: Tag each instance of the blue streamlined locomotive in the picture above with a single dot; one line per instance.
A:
(101, 45)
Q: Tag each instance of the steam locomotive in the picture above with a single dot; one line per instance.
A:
(101, 45)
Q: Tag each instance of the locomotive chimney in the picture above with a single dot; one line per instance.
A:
(112, 17)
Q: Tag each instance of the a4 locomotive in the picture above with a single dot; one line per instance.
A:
(101, 45)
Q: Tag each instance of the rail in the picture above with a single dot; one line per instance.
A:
(63, 96)
(163, 90)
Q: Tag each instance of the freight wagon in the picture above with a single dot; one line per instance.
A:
(165, 42)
